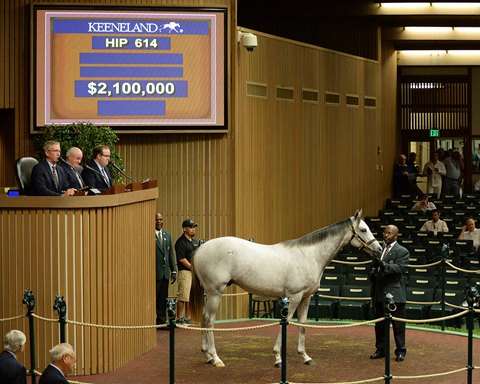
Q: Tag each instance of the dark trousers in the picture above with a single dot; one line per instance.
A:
(161, 305)
(398, 328)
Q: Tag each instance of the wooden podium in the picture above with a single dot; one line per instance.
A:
(98, 252)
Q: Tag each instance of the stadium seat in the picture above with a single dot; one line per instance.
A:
(354, 309)
(419, 298)
(451, 297)
(324, 307)
(357, 279)
(333, 280)
(422, 281)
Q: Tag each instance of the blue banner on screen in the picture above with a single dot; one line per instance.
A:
(140, 88)
(131, 108)
(130, 58)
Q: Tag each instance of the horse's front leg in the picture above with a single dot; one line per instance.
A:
(208, 341)
(302, 312)
(278, 344)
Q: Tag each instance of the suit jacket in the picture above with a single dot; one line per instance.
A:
(392, 279)
(165, 261)
(71, 174)
(11, 371)
(52, 375)
(95, 180)
(42, 183)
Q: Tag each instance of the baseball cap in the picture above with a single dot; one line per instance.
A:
(189, 223)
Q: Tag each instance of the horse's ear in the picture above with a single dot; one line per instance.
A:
(358, 214)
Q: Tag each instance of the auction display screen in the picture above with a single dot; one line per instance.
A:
(130, 69)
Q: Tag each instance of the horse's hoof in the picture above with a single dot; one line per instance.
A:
(220, 364)
(310, 362)
(278, 365)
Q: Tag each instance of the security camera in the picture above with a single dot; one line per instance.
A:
(249, 40)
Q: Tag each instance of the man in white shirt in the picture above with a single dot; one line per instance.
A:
(435, 225)
(434, 170)
(469, 232)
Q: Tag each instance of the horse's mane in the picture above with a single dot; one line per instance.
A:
(316, 236)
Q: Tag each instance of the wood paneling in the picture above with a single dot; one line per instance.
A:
(100, 259)
(303, 165)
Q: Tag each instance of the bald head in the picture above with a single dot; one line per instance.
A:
(390, 234)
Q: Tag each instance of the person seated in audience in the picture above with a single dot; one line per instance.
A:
(469, 232)
(423, 204)
(435, 225)
(11, 371)
(476, 187)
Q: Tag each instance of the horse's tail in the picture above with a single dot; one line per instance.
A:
(196, 296)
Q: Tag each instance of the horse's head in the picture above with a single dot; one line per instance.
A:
(362, 237)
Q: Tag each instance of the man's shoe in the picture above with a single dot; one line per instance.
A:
(181, 321)
(400, 357)
(377, 355)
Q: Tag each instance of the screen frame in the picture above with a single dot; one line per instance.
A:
(140, 129)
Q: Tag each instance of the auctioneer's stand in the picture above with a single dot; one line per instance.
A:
(98, 252)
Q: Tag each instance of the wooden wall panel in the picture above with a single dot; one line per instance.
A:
(316, 161)
(100, 260)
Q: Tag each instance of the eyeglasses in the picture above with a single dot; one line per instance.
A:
(74, 358)
(53, 150)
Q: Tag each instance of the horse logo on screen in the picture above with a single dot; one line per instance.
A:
(171, 26)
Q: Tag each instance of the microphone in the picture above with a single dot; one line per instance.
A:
(93, 170)
(122, 172)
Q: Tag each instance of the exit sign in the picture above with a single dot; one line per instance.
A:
(434, 132)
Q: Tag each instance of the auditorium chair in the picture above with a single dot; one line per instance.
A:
(354, 309)
(324, 307)
(23, 172)
(420, 296)
(454, 297)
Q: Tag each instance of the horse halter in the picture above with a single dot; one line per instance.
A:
(365, 244)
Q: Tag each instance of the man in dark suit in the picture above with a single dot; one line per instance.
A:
(165, 267)
(48, 179)
(96, 173)
(63, 360)
(387, 275)
(73, 159)
(11, 371)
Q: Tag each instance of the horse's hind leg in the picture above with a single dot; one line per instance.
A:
(208, 341)
(302, 312)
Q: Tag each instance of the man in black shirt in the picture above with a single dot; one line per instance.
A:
(184, 247)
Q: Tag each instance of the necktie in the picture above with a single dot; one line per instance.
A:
(160, 237)
(385, 252)
(79, 179)
(55, 176)
(105, 177)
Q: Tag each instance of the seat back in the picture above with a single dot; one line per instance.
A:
(23, 172)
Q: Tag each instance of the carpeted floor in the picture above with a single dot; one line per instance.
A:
(341, 354)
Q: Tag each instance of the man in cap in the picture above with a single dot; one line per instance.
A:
(184, 247)
(454, 169)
